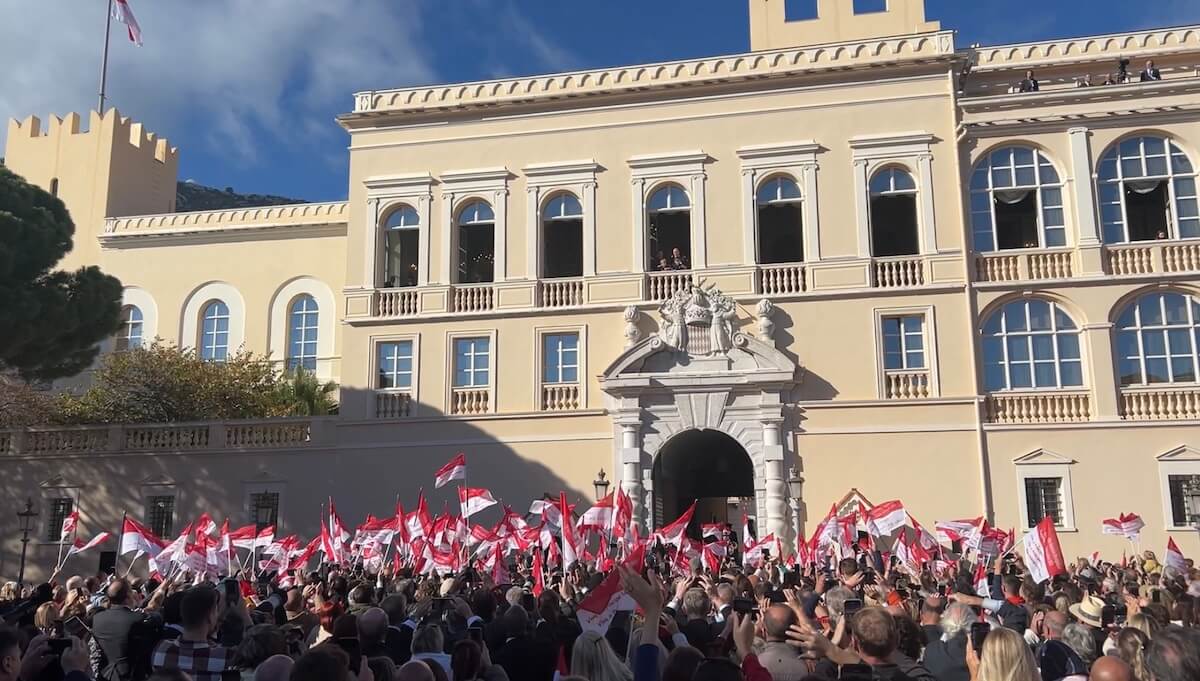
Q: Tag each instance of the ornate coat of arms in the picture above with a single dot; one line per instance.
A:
(698, 321)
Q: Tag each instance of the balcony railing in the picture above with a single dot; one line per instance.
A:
(396, 302)
(906, 385)
(393, 404)
(474, 298)
(1152, 404)
(1024, 265)
(1038, 407)
(560, 397)
(900, 272)
(662, 285)
(470, 401)
(781, 280)
(164, 437)
(561, 292)
(1158, 257)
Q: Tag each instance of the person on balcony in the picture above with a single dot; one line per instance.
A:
(1150, 73)
(678, 260)
(1029, 83)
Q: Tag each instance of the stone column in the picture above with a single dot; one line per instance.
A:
(1098, 346)
(776, 487)
(1082, 199)
(631, 463)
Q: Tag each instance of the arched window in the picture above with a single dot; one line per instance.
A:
(1016, 201)
(130, 335)
(562, 237)
(1147, 191)
(476, 243)
(1031, 344)
(669, 214)
(401, 244)
(214, 331)
(780, 221)
(302, 333)
(894, 214)
(1157, 339)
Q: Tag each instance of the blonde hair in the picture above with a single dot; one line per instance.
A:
(1147, 625)
(1131, 647)
(594, 659)
(46, 615)
(8, 592)
(1006, 657)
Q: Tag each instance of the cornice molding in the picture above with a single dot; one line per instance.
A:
(221, 235)
(399, 182)
(752, 65)
(1088, 48)
(267, 216)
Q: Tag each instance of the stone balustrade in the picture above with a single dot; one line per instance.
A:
(1025, 265)
(906, 385)
(1038, 407)
(161, 437)
(661, 286)
(781, 280)
(561, 292)
(560, 397)
(900, 272)
(393, 303)
(474, 298)
(1154, 404)
(470, 401)
(393, 404)
(1153, 257)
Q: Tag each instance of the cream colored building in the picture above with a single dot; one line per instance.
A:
(905, 279)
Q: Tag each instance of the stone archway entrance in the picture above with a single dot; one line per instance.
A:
(705, 466)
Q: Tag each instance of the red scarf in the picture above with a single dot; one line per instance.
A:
(1015, 600)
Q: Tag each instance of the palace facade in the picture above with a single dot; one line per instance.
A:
(857, 262)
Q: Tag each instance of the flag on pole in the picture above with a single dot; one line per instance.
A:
(600, 516)
(1043, 554)
(982, 589)
(1128, 525)
(886, 518)
(473, 500)
(69, 524)
(456, 469)
(597, 609)
(1174, 559)
(122, 12)
(950, 531)
(569, 550)
(81, 546)
(673, 534)
(137, 537)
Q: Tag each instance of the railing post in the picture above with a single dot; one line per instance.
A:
(1158, 258)
(1023, 269)
(116, 438)
(18, 441)
(216, 435)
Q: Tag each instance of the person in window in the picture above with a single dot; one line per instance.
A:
(679, 260)
(1110, 79)
(1086, 81)
(1150, 73)
(411, 277)
(663, 265)
(1029, 83)
(1162, 234)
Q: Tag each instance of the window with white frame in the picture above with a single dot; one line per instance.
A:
(1147, 191)
(894, 213)
(1044, 489)
(780, 214)
(214, 331)
(669, 221)
(264, 509)
(1031, 344)
(395, 365)
(1044, 498)
(1184, 491)
(302, 334)
(904, 342)
(1016, 201)
(1158, 340)
(129, 337)
(560, 358)
(476, 228)
(160, 513)
(60, 508)
(472, 362)
(401, 245)
(562, 237)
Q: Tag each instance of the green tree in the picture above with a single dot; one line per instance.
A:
(305, 395)
(50, 322)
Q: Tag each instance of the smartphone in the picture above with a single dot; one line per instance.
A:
(475, 634)
(979, 632)
(852, 606)
(744, 605)
(350, 645)
(76, 627)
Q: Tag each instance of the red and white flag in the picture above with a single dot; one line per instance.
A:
(982, 589)
(673, 534)
(69, 524)
(137, 537)
(124, 14)
(1128, 525)
(1174, 559)
(886, 518)
(81, 546)
(926, 540)
(597, 609)
(622, 514)
(950, 531)
(1043, 554)
(473, 500)
(455, 470)
(539, 579)
(711, 530)
(570, 550)
(600, 516)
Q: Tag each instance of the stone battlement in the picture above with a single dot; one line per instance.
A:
(111, 125)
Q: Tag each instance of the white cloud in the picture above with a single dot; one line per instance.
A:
(236, 69)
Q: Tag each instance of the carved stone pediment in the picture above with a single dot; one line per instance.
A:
(698, 321)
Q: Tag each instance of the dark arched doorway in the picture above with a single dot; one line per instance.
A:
(706, 466)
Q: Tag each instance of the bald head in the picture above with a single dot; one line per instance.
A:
(777, 621)
(1056, 621)
(1111, 668)
(414, 671)
(372, 625)
(274, 668)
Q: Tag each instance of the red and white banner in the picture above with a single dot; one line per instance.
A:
(139, 538)
(1127, 525)
(473, 500)
(456, 469)
(950, 531)
(711, 530)
(570, 550)
(122, 13)
(597, 609)
(600, 516)
(1174, 559)
(886, 518)
(69, 524)
(673, 533)
(982, 589)
(1043, 554)
(81, 546)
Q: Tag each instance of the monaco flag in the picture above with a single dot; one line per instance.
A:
(1127, 525)
(597, 609)
(455, 470)
(1043, 554)
(69, 524)
(570, 550)
(981, 581)
(1174, 559)
(474, 500)
(137, 537)
(81, 546)
(600, 516)
(886, 518)
(122, 13)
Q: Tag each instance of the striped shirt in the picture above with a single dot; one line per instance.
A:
(203, 660)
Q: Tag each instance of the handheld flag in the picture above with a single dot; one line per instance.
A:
(456, 469)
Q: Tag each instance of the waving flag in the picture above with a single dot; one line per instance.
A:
(1043, 554)
(69, 524)
(456, 469)
(1174, 559)
(124, 14)
(982, 589)
(473, 500)
(950, 531)
(886, 518)
(569, 546)
(1128, 525)
(137, 537)
(597, 609)
(673, 534)
(600, 516)
(622, 514)
(81, 546)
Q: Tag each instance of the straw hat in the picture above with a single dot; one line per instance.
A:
(1090, 611)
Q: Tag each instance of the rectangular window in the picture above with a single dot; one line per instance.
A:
(264, 509)
(160, 512)
(1043, 497)
(870, 6)
(1183, 489)
(395, 366)
(799, 10)
(560, 358)
(60, 508)
(904, 343)
(472, 361)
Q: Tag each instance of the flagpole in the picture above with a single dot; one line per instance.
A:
(104, 59)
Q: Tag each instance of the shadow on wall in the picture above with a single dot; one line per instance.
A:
(364, 465)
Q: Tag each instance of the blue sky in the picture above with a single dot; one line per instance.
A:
(248, 89)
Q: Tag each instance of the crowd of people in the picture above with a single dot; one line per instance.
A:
(863, 617)
(1150, 73)
(676, 261)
